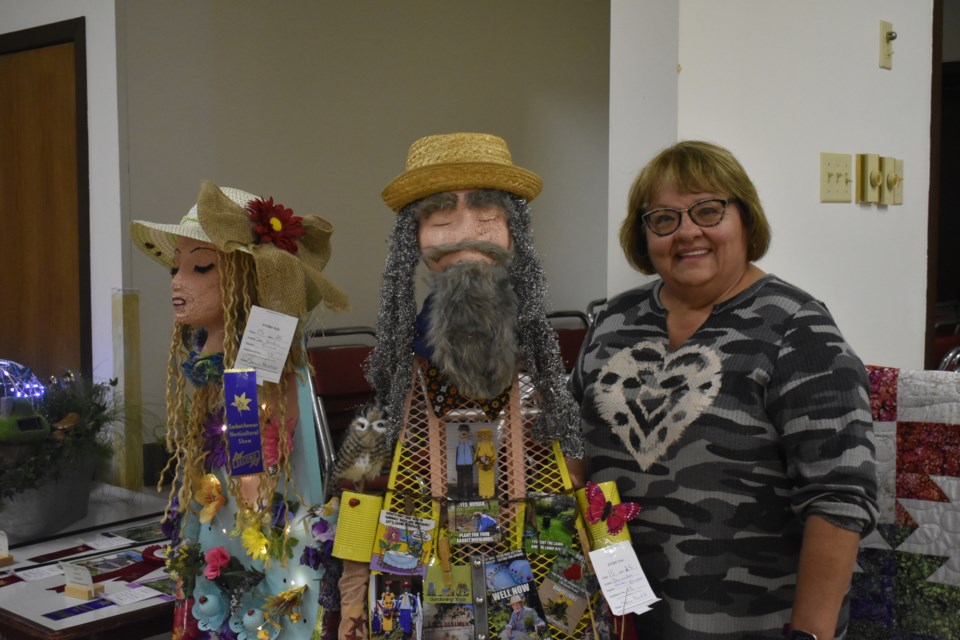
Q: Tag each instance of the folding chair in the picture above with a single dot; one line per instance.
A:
(594, 307)
(339, 386)
(571, 328)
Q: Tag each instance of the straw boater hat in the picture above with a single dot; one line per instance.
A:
(454, 161)
(289, 252)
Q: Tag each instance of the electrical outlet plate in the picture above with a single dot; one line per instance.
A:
(869, 177)
(836, 177)
(886, 45)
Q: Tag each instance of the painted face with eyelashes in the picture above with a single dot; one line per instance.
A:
(195, 285)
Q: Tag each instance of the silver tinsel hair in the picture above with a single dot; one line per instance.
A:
(390, 367)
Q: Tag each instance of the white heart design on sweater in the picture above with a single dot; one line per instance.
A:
(650, 396)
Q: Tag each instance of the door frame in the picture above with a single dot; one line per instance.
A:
(70, 31)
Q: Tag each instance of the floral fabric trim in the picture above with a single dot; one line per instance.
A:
(444, 396)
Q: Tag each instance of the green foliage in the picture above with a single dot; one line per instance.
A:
(79, 412)
(185, 563)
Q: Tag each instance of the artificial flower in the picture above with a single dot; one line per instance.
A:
(185, 563)
(201, 368)
(255, 543)
(271, 443)
(280, 545)
(275, 223)
(322, 530)
(209, 496)
(213, 441)
(281, 512)
(310, 557)
(285, 603)
(170, 525)
(217, 558)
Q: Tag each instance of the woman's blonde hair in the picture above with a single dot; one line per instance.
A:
(187, 414)
(692, 166)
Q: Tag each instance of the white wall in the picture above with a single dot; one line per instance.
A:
(779, 82)
(644, 45)
(105, 217)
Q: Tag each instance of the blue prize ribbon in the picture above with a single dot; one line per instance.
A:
(243, 422)
(86, 607)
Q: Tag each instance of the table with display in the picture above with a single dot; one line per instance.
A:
(38, 607)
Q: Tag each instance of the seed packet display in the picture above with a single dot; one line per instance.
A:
(403, 543)
(550, 523)
(565, 591)
(513, 603)
(472, 522)
(447, 606)
(396, 606)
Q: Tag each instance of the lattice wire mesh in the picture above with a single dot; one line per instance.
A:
(419, 481)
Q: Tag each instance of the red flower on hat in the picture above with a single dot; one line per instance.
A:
(275, 223)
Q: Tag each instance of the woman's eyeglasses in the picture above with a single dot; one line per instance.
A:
(705, 213)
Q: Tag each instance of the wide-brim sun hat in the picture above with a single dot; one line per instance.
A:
(455, 161)
(159, 240)
(289, 261)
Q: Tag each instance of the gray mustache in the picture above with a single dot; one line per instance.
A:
(493, 251)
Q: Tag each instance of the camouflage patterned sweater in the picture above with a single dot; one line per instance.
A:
(760, 419)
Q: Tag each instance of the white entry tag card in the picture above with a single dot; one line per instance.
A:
(4, 544)
(266, 341)
(76, 575)
(130, 596)
(103, 541)
(622, 580)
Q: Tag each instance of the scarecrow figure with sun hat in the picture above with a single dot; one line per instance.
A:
(239, 426)
(478, 358)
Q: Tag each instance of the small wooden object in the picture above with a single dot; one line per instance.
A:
(81, 592)
(79, 582)
(5, 557)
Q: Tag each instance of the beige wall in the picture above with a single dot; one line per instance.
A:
(316, 103)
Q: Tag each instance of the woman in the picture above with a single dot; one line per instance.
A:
(726, 402)
(232, 252)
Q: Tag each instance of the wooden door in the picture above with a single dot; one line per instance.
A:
(44, 236)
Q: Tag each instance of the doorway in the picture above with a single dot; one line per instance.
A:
(45, 261)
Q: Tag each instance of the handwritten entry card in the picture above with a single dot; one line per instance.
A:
(266, 342)
(622, 581)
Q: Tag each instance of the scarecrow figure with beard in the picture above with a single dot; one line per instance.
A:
(480, 350)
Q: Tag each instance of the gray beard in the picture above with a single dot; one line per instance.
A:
(473, 323)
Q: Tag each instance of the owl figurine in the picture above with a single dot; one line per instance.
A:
(365, 449)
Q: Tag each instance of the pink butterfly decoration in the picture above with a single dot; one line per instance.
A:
(615, 515)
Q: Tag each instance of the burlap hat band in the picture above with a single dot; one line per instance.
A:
(421, 182)
(281, 280)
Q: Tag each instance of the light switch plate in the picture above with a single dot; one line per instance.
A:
(886, 45)
(898, 189)
(836, 177)
(889, 181)
(868, 177)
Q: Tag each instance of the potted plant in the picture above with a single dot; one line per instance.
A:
(45, 481)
